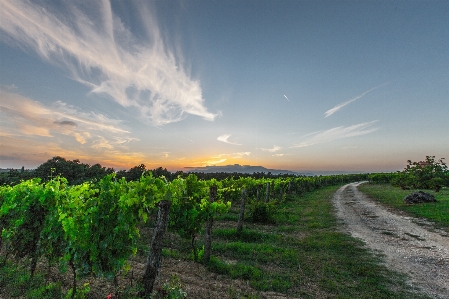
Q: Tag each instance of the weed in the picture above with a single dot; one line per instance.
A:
(171, 289)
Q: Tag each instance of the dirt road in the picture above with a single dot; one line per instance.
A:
(412, 246)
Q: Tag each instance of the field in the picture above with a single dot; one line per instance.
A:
(300, 254)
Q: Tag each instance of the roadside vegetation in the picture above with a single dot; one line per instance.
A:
(437, 212)
(430, 175)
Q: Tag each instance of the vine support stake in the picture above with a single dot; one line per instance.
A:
(155, 256)
(209, 224)
(267, 193)
(242, 212)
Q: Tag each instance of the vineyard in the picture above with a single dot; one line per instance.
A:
(94, 228)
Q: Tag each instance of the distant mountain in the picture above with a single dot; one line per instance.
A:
(241, 169)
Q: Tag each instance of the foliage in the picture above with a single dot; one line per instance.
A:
(428, 174)
(263, 212)
(26, 214)
(190, 211)
(14, 176)
(93, 226)
(74, 171)
(171, 289)
(80, 293)
(381, 177)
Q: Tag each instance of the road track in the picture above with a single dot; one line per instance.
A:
(410, 245)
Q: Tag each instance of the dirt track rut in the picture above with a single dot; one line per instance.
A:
(410, 245)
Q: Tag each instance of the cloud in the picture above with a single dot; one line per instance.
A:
(30, 116)
(95, 47)
(272, 150)
(102, 142)
(82, 137)
(9, 87)
(224, 138)
(66, 123)
(25, 117)
(32, 152)
(240, 154)
(232, 155)
(213, 162)
(339, 106)
(337, 133)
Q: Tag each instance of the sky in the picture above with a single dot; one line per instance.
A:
(357, 86)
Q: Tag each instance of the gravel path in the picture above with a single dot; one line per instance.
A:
(412, 246)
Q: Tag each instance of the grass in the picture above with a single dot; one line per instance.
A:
(304, 255)
(16, 282)
(437, 212)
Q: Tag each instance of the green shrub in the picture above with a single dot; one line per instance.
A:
(428, 174)
(263, 212)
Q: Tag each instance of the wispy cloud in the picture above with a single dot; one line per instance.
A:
(224, 138)
(339, 106)
(24, 117)
(94, 45)
(34, 151)
(219, 158)
(212, 162)
(272, 150)
(338, 133)
(237, 155)
(240, 154)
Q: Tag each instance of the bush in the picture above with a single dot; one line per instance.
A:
(263, 212)
(428, 174)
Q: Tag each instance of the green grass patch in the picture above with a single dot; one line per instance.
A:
(15, 282)
(304, 254)
(437, 212)
(247, 235)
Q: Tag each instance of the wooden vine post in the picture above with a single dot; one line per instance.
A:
(209, 224)
(281, 191)
(155, 256)
(258, 192)
(242, 212)
(267, 193)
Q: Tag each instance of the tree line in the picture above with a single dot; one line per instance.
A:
(76, 173)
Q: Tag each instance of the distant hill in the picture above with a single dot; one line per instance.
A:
(241, 169)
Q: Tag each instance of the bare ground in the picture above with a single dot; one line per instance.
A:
(410, 245)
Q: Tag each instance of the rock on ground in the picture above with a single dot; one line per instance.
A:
(419, 197)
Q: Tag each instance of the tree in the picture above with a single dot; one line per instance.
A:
(74, 171)
(133, 174)
(428, 174)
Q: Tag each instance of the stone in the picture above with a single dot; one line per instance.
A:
(419, 197)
